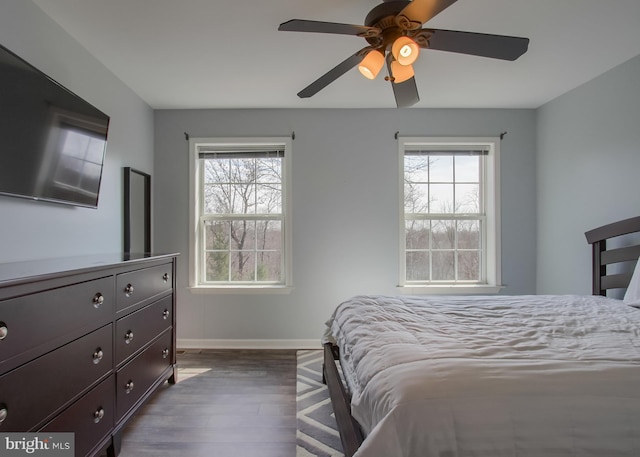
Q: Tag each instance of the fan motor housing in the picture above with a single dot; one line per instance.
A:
(390, 8)
(383, 17)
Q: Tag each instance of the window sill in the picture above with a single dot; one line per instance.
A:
(471, 289)
(241, 290)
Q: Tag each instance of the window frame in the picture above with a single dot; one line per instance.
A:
(490, 190)
(196, 248)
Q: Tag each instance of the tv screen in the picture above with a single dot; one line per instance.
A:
(52, 142)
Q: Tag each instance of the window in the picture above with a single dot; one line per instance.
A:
(240, 235)
(450, 214)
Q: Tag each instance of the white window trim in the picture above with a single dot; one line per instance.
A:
(492, 239)
(194, 203)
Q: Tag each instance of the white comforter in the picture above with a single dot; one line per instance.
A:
(524, 376)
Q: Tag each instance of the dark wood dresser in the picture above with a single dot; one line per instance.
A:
(84, 342)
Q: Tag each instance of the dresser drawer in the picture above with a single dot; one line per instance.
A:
(36, 390)
(135, 378)
(40, 322)
(140, 327)
(142, 285)
(91, 418)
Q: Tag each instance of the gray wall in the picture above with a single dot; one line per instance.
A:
(588, 164)
(345, 208)
(29, 229)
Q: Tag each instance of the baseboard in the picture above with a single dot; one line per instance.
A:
(194, 343)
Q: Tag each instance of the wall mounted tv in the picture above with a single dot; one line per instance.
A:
(52, 142)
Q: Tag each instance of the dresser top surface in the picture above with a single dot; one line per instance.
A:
(16, 272)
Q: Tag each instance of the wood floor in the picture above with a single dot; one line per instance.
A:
(232, 403)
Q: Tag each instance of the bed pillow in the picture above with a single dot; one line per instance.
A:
(632, 295)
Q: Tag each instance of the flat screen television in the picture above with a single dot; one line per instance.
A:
(52, 142)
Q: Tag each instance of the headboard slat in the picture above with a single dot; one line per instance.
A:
(619, 280)
(626, 254)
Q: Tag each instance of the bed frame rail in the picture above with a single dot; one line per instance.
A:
(350, 432)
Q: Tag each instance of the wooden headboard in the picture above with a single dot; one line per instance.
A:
(603, 255)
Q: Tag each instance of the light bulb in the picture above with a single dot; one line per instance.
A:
(405, 50)
(371, 64)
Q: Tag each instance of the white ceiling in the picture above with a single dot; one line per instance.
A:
(229, 54)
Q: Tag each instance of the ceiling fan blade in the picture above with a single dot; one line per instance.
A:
(302, 25)
(478, 44)
(330, 76)
(418, 12)
(406, 92)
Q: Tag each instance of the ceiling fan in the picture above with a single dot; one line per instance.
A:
(395, 35)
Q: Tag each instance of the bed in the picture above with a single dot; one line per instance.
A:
(526, 376)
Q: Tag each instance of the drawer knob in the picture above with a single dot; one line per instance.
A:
(4, 331)
(98, 415)
(128, 290)
(165, 353)
(165, 277)
(128, 337)
(165, 314)
(128, 387)
(98, 299)
(3, 413)
(97, 356)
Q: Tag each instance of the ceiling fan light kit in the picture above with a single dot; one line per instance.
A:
(405, 50)
(393, 33)
(372, 64)
(400, 73)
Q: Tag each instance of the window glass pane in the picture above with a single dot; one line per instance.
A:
(416, 168)
(243, 251)
(441, 200)
(216, 199)
(242, 199)
(216, 235)
(467, 168)
(269, 266)
(217, 266)
(417, 234)
(269, 235)
(243, 235)
(243, 265)
(467, 199)
(269, 171)
(443, 265)
(416, 198)
(468, 265)
(216, 171)
(443, 234)
(269, 199)
(469, 235)
(417, 267)
(242, 170)
(441, 169)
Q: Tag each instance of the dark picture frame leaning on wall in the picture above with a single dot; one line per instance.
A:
(137, 211)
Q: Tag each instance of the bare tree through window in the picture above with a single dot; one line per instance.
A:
(443, 216)
(242, 216)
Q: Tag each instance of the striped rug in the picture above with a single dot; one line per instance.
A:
(317, 433)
